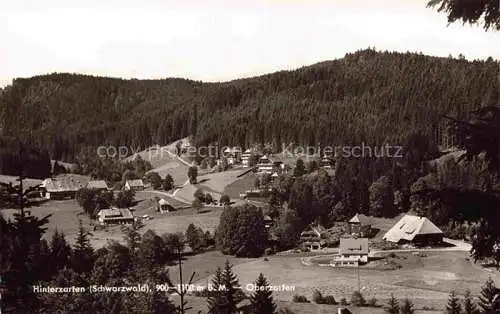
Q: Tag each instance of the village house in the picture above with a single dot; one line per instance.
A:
(115, 216)
(361, 225)
(99, 185)
(268, 221)
(352, 252)
(245, 158)
(279, 167)
(313, 238)
(326, 161)
(274, 176)
(265, 165)
(415, 230)
(134, 185)
(232, 155)
(59, 188)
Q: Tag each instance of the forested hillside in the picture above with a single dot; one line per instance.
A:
(375, 97)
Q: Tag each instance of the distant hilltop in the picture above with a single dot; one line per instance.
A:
(367, 96)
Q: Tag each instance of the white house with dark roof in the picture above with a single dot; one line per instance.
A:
(352, 252)
(245, 158)
(265, 165)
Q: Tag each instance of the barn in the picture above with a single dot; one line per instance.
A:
(416, 230)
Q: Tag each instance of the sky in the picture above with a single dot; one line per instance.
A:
(218, 40)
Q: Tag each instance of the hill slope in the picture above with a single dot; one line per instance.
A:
(367, 96)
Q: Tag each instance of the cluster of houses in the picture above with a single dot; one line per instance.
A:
(67, 187)
(235, 156)
(353, 237)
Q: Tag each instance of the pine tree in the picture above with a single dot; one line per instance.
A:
(82, 259)
(231, 287)
(393, 305)
(132, 238)
(193, 237)
(453, 306)
(60, 252)
(300, 168)
(469, 304)
(262, 299)
(407, 307)
(488, 292)
(216, 300)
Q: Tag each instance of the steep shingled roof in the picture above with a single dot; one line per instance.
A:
(410, 226)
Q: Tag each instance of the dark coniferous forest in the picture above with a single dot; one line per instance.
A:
(367, 96)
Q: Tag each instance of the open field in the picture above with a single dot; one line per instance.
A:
(178, 221)
(204, 265)
(164, 161)
(427, 280)
(67, 213)
(200, 304)
(186, 192)
(157, 155)
(150, 194)
(218, 181)
(214, 183)
(175, 168)
(242, 184)
(27, 182)
(65, 217)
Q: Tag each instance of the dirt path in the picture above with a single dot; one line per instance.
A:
(170, 195)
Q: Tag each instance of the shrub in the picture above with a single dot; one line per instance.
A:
(317, 297)
(300, 299)
(198, 194)
(224, 200)
(320, 299)
(208, 198)
(357, 299)
(372, 302)
(329, 299)
(343, 301)
(269, 251)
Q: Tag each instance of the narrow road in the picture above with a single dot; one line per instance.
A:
(165, 194)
